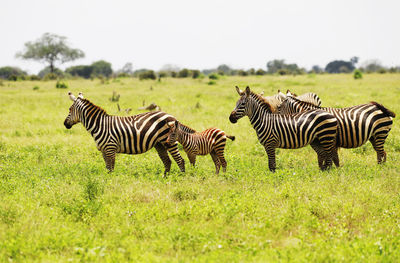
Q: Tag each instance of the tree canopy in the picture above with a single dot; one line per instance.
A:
(50, 48)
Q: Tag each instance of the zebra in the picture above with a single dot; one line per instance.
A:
(356, 125)
(307, 97)
(131, 135)
(317, 128)
(275, 100)
(210, 141)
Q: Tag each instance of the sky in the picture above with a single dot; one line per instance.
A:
(207, 33)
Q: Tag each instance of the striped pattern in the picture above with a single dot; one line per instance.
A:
(275, 100)
(131, 135)
(306, 97)
(211, 141)
(317, 128)
(356, 125)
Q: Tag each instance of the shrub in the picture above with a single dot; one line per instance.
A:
(260, 72)
(242, 73)
(213, 76)
(357, 74)
(212, 82)
(50, 76)
(149, 74)
(183, 73)
(36, 88)
(13, 77)
(61, 85)
(7, 72)
(283, 72)
(195, 73)
(34, 77)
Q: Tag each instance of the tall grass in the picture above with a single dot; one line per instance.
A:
(58, 203)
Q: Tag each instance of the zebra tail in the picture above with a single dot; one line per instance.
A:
(385, 110)
(230, 137)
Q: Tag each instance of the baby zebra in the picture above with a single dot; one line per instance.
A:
(211, 141)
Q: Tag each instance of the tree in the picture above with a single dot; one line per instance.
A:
(316, 69)
(127, 68)
(11, 72)
(101, 67)
(354, 60)
(275, 65)
(50, 48)
(224, 68)
(339, 66)
(83, 71)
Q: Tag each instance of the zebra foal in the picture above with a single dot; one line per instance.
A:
(211, 141)
(131, 135)
(317, 128)
(356, 125)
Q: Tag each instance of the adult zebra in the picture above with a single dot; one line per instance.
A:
(131, 135)
(275, 100)
(356, 125)
(317, 128)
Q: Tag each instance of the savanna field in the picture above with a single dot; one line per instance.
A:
(59, 203)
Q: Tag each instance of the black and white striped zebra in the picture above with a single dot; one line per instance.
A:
(356, 125)
(317, 128)
(131, 135)
(210, 141)
(275, 100)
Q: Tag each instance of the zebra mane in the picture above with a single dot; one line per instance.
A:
(302, 101)
(89, 103)
(262, 102)
(186, 128)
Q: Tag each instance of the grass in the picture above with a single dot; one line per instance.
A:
(58, 203)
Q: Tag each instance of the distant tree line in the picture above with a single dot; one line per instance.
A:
(52, 49)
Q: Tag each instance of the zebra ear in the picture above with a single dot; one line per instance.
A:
(288, 93)
(71, 96)
(239, 91)
(247, 91)
(80, 95)
(176, 124)
(281, 95)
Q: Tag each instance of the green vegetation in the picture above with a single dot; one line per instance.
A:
(58, 203)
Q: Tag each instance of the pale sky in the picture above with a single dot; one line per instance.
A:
(207, 33)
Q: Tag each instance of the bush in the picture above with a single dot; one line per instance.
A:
(149, 74)
(195, 73)
(212, 82)
(260, 72)
(13, 77)
(283, 72)
(50, 76)
(34, 77)
(36, 88)
(7, 72)
(184, 73)
(81, 71)
(101, 67)
(242, 72)
(213, 76)
(357, 74)
(61, 85)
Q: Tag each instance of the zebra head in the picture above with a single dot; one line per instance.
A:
(241, 105)
(73, 116)
(173, 132)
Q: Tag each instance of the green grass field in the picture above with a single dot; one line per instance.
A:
(58, 203)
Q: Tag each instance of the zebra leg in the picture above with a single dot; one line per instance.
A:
(271, 157)
(377, 143)
(321, 154)
(192, 158)
(109, 159)
(335, 157)
(162, 152)
(173, 150)
(216, 161)
(221, 158)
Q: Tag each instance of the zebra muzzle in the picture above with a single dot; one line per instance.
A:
(67, 125)
(232, 117)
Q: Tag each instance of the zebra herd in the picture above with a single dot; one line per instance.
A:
(280, 121)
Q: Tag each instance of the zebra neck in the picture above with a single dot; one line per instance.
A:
(92, 118)
(185, 139)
